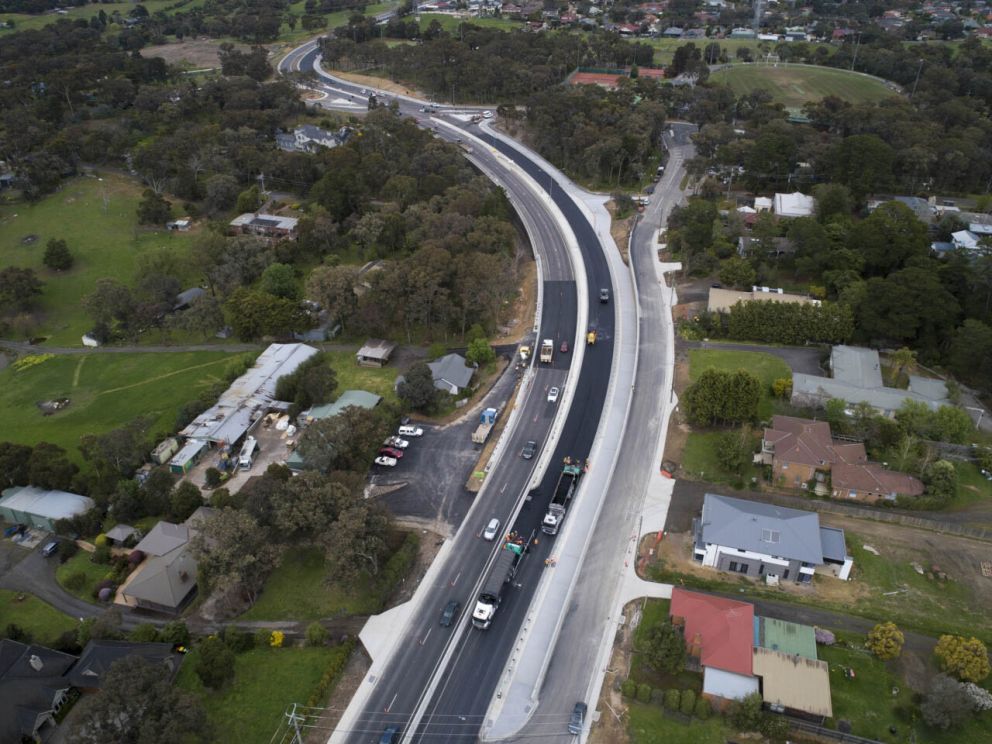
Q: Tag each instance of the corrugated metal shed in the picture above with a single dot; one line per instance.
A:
(794, 682)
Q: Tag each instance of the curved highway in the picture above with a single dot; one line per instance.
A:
(438, 682)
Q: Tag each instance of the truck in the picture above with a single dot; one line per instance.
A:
(524, 354)
(486, 423)
(547, 350)
(567, 481)
(591, 337)
(502, 573)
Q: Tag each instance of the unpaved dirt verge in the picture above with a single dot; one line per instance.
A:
(196, 54)
(339, 697)
(380, 84)
(620, 230)
(521, 321)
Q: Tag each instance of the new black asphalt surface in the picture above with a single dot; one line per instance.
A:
(470, 680)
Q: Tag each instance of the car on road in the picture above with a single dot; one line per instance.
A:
(411, 431)
(491, 530)
(604, 295)
(51, 548)
(529, 449)
(396, 442)
(386, 462)
(564, 347)
(553, 394)
(449, 613)
(578, 719)
(487, 114)
(389, 736)
(396, 454)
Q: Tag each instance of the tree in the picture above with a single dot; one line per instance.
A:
(723, 396)
(833, 200)
(137, 704)
(185, 499)
(222, 193)
(355, 542)
(280, 280)
(214, 663)
(250, 199)
(901, 359)
(144, 633)
(946, 704)
(738, 272)
(204, 316)
(417, 389)
(18, 288)
(175, 631)
(941, 480)
(885, 641)
(863, 163)
(57, 256)
(909, 305)
(120, 451)
(255, 314)
(888, 238)
(333, 287)
(664, 648)
(234, 554)
(153, 209)
(347, 441)
(735, 449)
(305, 506)
(312, 383)
(109, 301)
(965, 658)
(14, 464)
(480, 353)
(746, 714)
(48, 467)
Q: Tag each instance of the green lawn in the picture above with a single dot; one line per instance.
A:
(105, 391)
(972, 486)
(296, 590)
(451, 23)
(867, 700)
(26, 22)
(41, 620)
(103, 236)
(352, 377)
(648, 724)
(700, 461)
(81, 563)
(765, 367)
(795, 85)
(267, 680)
(665, 48)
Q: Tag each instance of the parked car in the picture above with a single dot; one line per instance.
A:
(411, 431)
(487, 114)
(553, 394)
(564, 347)
(529, 449)
(386, 462)
(449, 613)
(578, 719)
(604, 295)
(391, 452)
(396, 442)
(491, 530)
(649, 189)
(51, 548)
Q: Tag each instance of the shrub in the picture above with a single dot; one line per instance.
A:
(673, 699)
(774, 727)
(135, 557)
(277, 638)
(67, 550)
(214, 663)
(629, 688)
(331, 675)
(965, 658)
(175, 632)
(688, 703)
(657, 697)
(212, 476)
(644, 692)
(702, 710)
(100, 540)
(316, 634)
(144, 633)
(15, 632)
(238, 641)
(74, 582)
(262, 637)
(101, 555)
(885, 641)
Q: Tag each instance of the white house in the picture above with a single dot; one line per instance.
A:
(794, 205)
(763, 540)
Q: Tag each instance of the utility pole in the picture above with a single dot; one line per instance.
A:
(917, 81)
(857, 46)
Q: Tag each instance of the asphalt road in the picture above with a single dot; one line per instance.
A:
(455, 711)
(572, 668)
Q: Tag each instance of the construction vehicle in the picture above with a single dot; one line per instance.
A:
(524, 354)
(502, 573)
(547, 351)
(591, 337)
(567, 481)
(486, 423)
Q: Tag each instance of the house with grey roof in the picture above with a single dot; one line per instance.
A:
(857, 378)
(308, 138)
(452, 374)
(766, 541)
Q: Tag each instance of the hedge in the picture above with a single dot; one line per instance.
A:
(702, 710)
(398, 566)
(629, 688)
(688, 703)
(673, 699)
(644, 692)
(331, 675)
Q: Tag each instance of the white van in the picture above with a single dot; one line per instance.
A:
(248, 451)
(411, 431)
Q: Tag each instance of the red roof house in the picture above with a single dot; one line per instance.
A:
(720, 634)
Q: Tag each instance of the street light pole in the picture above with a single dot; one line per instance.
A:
(917, 81)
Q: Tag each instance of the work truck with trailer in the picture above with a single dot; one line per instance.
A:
(547, 351)
(486, 423)
(568, 480)
(501, 574)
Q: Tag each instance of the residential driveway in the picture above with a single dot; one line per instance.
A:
(803, 359)
(428, 483)
(36, 574)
